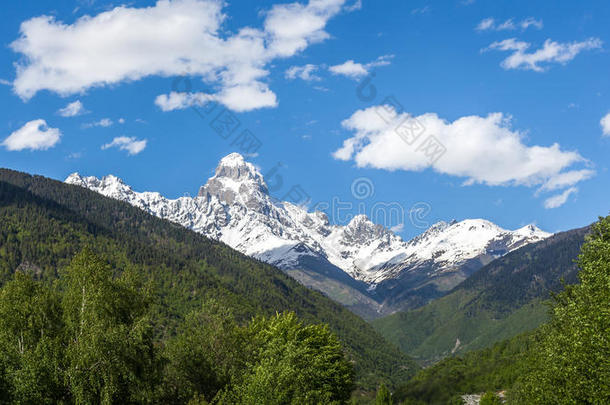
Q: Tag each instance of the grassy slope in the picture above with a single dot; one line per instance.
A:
(45, 222)
(501, 300)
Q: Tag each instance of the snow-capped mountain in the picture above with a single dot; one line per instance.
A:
(234, 207)
(447, 245)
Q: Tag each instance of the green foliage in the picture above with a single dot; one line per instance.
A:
(572, 362)
(208, 353)
(490, 398)
(495, 303)
(88, 340)
(565, 361)
(109, 341)
(89, 343)
(292, 363)
(384, 396)
(494, 368)
(45, 223)
(30, 342)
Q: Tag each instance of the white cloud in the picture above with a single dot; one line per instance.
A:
(247, 97)
(305, 72)
(531, 22)
(132, 145)
(356, 70)
(551, 52)
(559, 199)
(34, 135)
(290, 28)
(489, 24)
(121, 120)
(566, 179)
(506, 25)
(72, 109)
(104, 122)
(350, 69)
(605, 123)
(170, 38)
(181, 100)
(486, 24)
(484, 150)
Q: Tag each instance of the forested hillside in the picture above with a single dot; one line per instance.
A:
(564, 361)
(501, 300)
(45, 223)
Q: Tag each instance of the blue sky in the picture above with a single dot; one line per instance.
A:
(515, 93)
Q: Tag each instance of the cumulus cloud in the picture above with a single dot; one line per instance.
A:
(72, 109)
(551, 52)
(172, 37)
(490, 24)
(104, 123)
(305, 72)
(247, 97)
(484, 150)
(132, 145)
(605, 124)
(559, 199)
(34, 135)
(356, 70)
(181, 100)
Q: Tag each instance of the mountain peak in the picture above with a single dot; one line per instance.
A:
(74, 177)
(109, 185)
(532, 230)
(359, 219)
(235, 179)
(232, 160)
(235, 167)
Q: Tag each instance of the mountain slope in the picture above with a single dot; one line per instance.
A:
(365, 266)
(45, 222)
(502, 299)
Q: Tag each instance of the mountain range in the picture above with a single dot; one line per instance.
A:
(362, 265)
(45, 223)
(502, 299)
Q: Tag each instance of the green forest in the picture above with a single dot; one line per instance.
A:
(89, 338)
(564, 361)
(103, 303)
